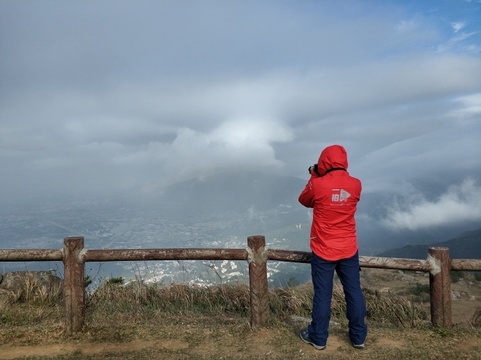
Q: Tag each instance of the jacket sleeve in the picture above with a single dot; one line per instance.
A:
(307, 195)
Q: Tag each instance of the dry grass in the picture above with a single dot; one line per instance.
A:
(33, 302)
(141, 321)
(140, 300)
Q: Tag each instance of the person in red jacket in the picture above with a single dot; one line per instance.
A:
(333, 194)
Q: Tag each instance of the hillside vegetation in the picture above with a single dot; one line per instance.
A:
(139, 321)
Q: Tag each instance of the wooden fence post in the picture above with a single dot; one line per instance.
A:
(74, 284)
(440, 286)
(259, 291)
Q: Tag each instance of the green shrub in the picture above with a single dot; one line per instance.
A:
(456, 276)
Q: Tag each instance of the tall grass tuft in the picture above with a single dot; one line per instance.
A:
(395, 310)
(38, 289)
(142, 300)
(35, 297)
(386, 309)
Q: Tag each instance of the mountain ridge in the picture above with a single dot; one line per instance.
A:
(466, 245)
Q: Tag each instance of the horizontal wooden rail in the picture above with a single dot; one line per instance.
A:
(163, 254)
(289, 256)
(15, 255)
(364, 261)
(466, 264)
(31, 255)
(395, 263)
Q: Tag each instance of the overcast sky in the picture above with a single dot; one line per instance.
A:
(102, 96)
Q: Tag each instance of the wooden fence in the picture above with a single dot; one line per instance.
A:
(74, 255)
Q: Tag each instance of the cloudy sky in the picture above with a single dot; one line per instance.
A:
(103, 96)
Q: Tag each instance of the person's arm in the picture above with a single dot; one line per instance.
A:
(307, 196)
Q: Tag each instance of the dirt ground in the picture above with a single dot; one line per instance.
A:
(240, 342)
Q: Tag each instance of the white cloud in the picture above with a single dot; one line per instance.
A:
(250, 133)
(457, 26)
(459, 203)
(231, 146)
(470, 107)
(461, 42)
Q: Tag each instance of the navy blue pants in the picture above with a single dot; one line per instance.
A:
(348, 272)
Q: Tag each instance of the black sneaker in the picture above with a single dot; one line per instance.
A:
(304, 334)
(360, 346)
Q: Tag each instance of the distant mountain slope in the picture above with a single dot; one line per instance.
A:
(465, 246)
(225, 193)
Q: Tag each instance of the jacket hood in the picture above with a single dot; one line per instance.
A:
(332, 157)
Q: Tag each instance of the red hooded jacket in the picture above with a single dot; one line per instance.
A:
(333, 195)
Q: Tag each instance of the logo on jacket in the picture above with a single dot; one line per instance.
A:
(339, 195)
